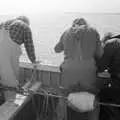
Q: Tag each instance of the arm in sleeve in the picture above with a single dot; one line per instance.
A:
(59, 46)
(99, 49)
(29, 46)
(105, 60)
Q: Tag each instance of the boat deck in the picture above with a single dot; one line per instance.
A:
(27, 107)
(24, 109)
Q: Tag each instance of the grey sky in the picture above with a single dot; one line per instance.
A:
(15, 6)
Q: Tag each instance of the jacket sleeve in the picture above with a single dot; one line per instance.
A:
(29, 46)
(99, 49)
(59, 46)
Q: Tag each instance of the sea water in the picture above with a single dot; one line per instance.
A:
(47, 29)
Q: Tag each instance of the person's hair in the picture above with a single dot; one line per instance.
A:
(24, 19)
(79, 21)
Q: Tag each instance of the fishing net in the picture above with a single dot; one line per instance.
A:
(53, 103)
(50, 103)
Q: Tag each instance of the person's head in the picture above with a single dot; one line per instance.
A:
(23, 19)
(107, 36)
(79, 22)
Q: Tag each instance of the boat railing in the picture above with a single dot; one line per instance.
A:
(46, 74)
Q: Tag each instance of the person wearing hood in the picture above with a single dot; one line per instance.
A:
(110, 61)
(81, 46)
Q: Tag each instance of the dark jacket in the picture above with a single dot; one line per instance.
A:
(111, 57)
(111, 61)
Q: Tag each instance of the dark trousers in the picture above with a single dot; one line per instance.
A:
(110, 95)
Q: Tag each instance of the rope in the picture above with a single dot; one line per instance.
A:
(44, 110)
(46, 94)
(29, 92)
(109, 104)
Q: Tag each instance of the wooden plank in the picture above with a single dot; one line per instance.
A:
(8, 109)
(12, 106)
(43, 67)
(35, 86)
(46, 78)
(55, 79)
(40, 76)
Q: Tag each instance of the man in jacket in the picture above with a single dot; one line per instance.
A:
(111, 61)
(13, 34)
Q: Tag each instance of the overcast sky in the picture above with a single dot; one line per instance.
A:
(53, 6)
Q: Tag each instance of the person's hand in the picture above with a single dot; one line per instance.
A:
(36, 63)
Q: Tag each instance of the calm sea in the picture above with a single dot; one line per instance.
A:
(47, 29)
